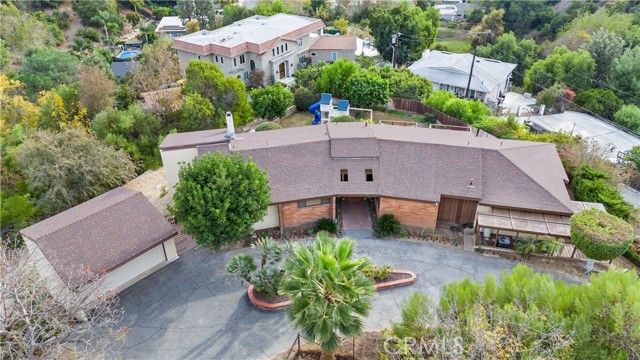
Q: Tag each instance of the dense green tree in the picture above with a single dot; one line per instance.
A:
(600, 101)
(304, 98)
(508, 49)
(522, 16)
(439, 98)
(227, 94)
(21, 31)
(134, 131)
(70, 167)
(308, 76)
(561, 66)
(272, 7)
(592, 185)
(525, 312)
(334, 77)
(492, 23)
(625, 75)
(367, 90)
(234, 12)
(271, 101)
(418, 28)
(604, 47)
(403, 83)
(330, 294)
(87, 10)
(47, 68)
(17, 210)
(629, 117)
(634, 157)
(599, 235)
(197, 113)
(5, 56)
(219, 197)
(579, 30)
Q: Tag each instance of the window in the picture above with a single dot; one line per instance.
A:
(242, 61)
(216, 58)
(368, 174)
(344, 175)
(278, 50)
(273, 52)
(301, 59)
(334, 56)
(313, 54)
(299, 42)
(235, 62)
(286, 46)
(221, 60)
(313, 202)
(246, 75)
(198, 57)
(282, 49)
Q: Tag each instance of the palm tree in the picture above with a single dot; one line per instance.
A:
(330, 294)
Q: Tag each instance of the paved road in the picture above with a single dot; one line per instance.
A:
(188, 310)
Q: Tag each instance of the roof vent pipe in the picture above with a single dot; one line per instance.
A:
(231, 131)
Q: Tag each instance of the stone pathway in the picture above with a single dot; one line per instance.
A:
(189, 310)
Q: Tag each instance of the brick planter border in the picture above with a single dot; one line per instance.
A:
(380, 286)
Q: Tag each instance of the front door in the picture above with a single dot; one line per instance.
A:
(282, 70)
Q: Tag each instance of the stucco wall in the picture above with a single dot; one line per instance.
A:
(271, 220)
(411, 213)
(326, 55)
(293, 217)
(172, 161)
(45, 269)
(138, 267)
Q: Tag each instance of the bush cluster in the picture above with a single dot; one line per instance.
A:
(387, 225)
(269, 125)
(304, 98)
(599, 235)
(592, 185)
(377, 272)
(343, 118)
(326, 224)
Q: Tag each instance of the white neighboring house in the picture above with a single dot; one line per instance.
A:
(171, 26)
(448, 12)
(119, 233)
(277, 44)
(448, 71)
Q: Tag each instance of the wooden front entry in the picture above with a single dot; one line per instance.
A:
(282, 71)
(457, 211)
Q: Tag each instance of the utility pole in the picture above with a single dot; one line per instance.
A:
(394, 45)
(473, 61)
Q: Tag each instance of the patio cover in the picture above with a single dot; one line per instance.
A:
(532, 222)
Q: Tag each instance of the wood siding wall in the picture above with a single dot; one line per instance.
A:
(411, 213)
(293, 217)
(458, 211)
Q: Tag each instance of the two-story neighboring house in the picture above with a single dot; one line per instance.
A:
(277, 44)
(448, 71)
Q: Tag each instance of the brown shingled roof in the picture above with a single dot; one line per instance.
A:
(409, 163)
(100, 234)
(330, 42)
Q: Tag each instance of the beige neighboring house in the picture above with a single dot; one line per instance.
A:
(119, 233)
(276, 44)
(171, 26)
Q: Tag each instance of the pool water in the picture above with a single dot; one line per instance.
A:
(127, 55)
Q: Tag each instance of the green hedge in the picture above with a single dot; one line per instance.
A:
(591, 185)
(633, 256)
(599, 235)
(268, 126)
(304, 98)
(344, 118)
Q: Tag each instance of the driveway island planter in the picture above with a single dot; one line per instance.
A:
(395, 278)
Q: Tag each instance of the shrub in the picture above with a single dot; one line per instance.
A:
(599, 235)
(452, 25)
(377, 272)
(268, 126)
(326, 224)
(387, 225)
(367, 90)
(592, 185)
(438, 98)
(304, 98)
(271, 102)
(343, 118)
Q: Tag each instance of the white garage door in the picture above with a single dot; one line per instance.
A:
(135, 269)
(271, 220)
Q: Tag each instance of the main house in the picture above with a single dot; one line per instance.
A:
(448, 71)
(425, 177)
(277, 44)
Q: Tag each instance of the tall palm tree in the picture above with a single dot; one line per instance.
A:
(330, 295)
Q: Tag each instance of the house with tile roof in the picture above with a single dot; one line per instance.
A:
(448, 71)
(426, 177)
(277, 44)
(119, 234)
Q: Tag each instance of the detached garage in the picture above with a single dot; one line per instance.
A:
(119, 232)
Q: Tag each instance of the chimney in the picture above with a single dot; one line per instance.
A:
(231, 131)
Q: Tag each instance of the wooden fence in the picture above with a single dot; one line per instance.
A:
(416, 106)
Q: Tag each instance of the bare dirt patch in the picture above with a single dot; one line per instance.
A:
(367, 346)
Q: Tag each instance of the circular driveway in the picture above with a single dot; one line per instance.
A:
(189, 310)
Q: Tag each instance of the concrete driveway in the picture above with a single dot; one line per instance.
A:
(188, 309)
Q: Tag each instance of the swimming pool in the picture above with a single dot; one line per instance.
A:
(127, 55)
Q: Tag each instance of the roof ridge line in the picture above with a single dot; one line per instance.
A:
(134, 193)
(532, 179)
